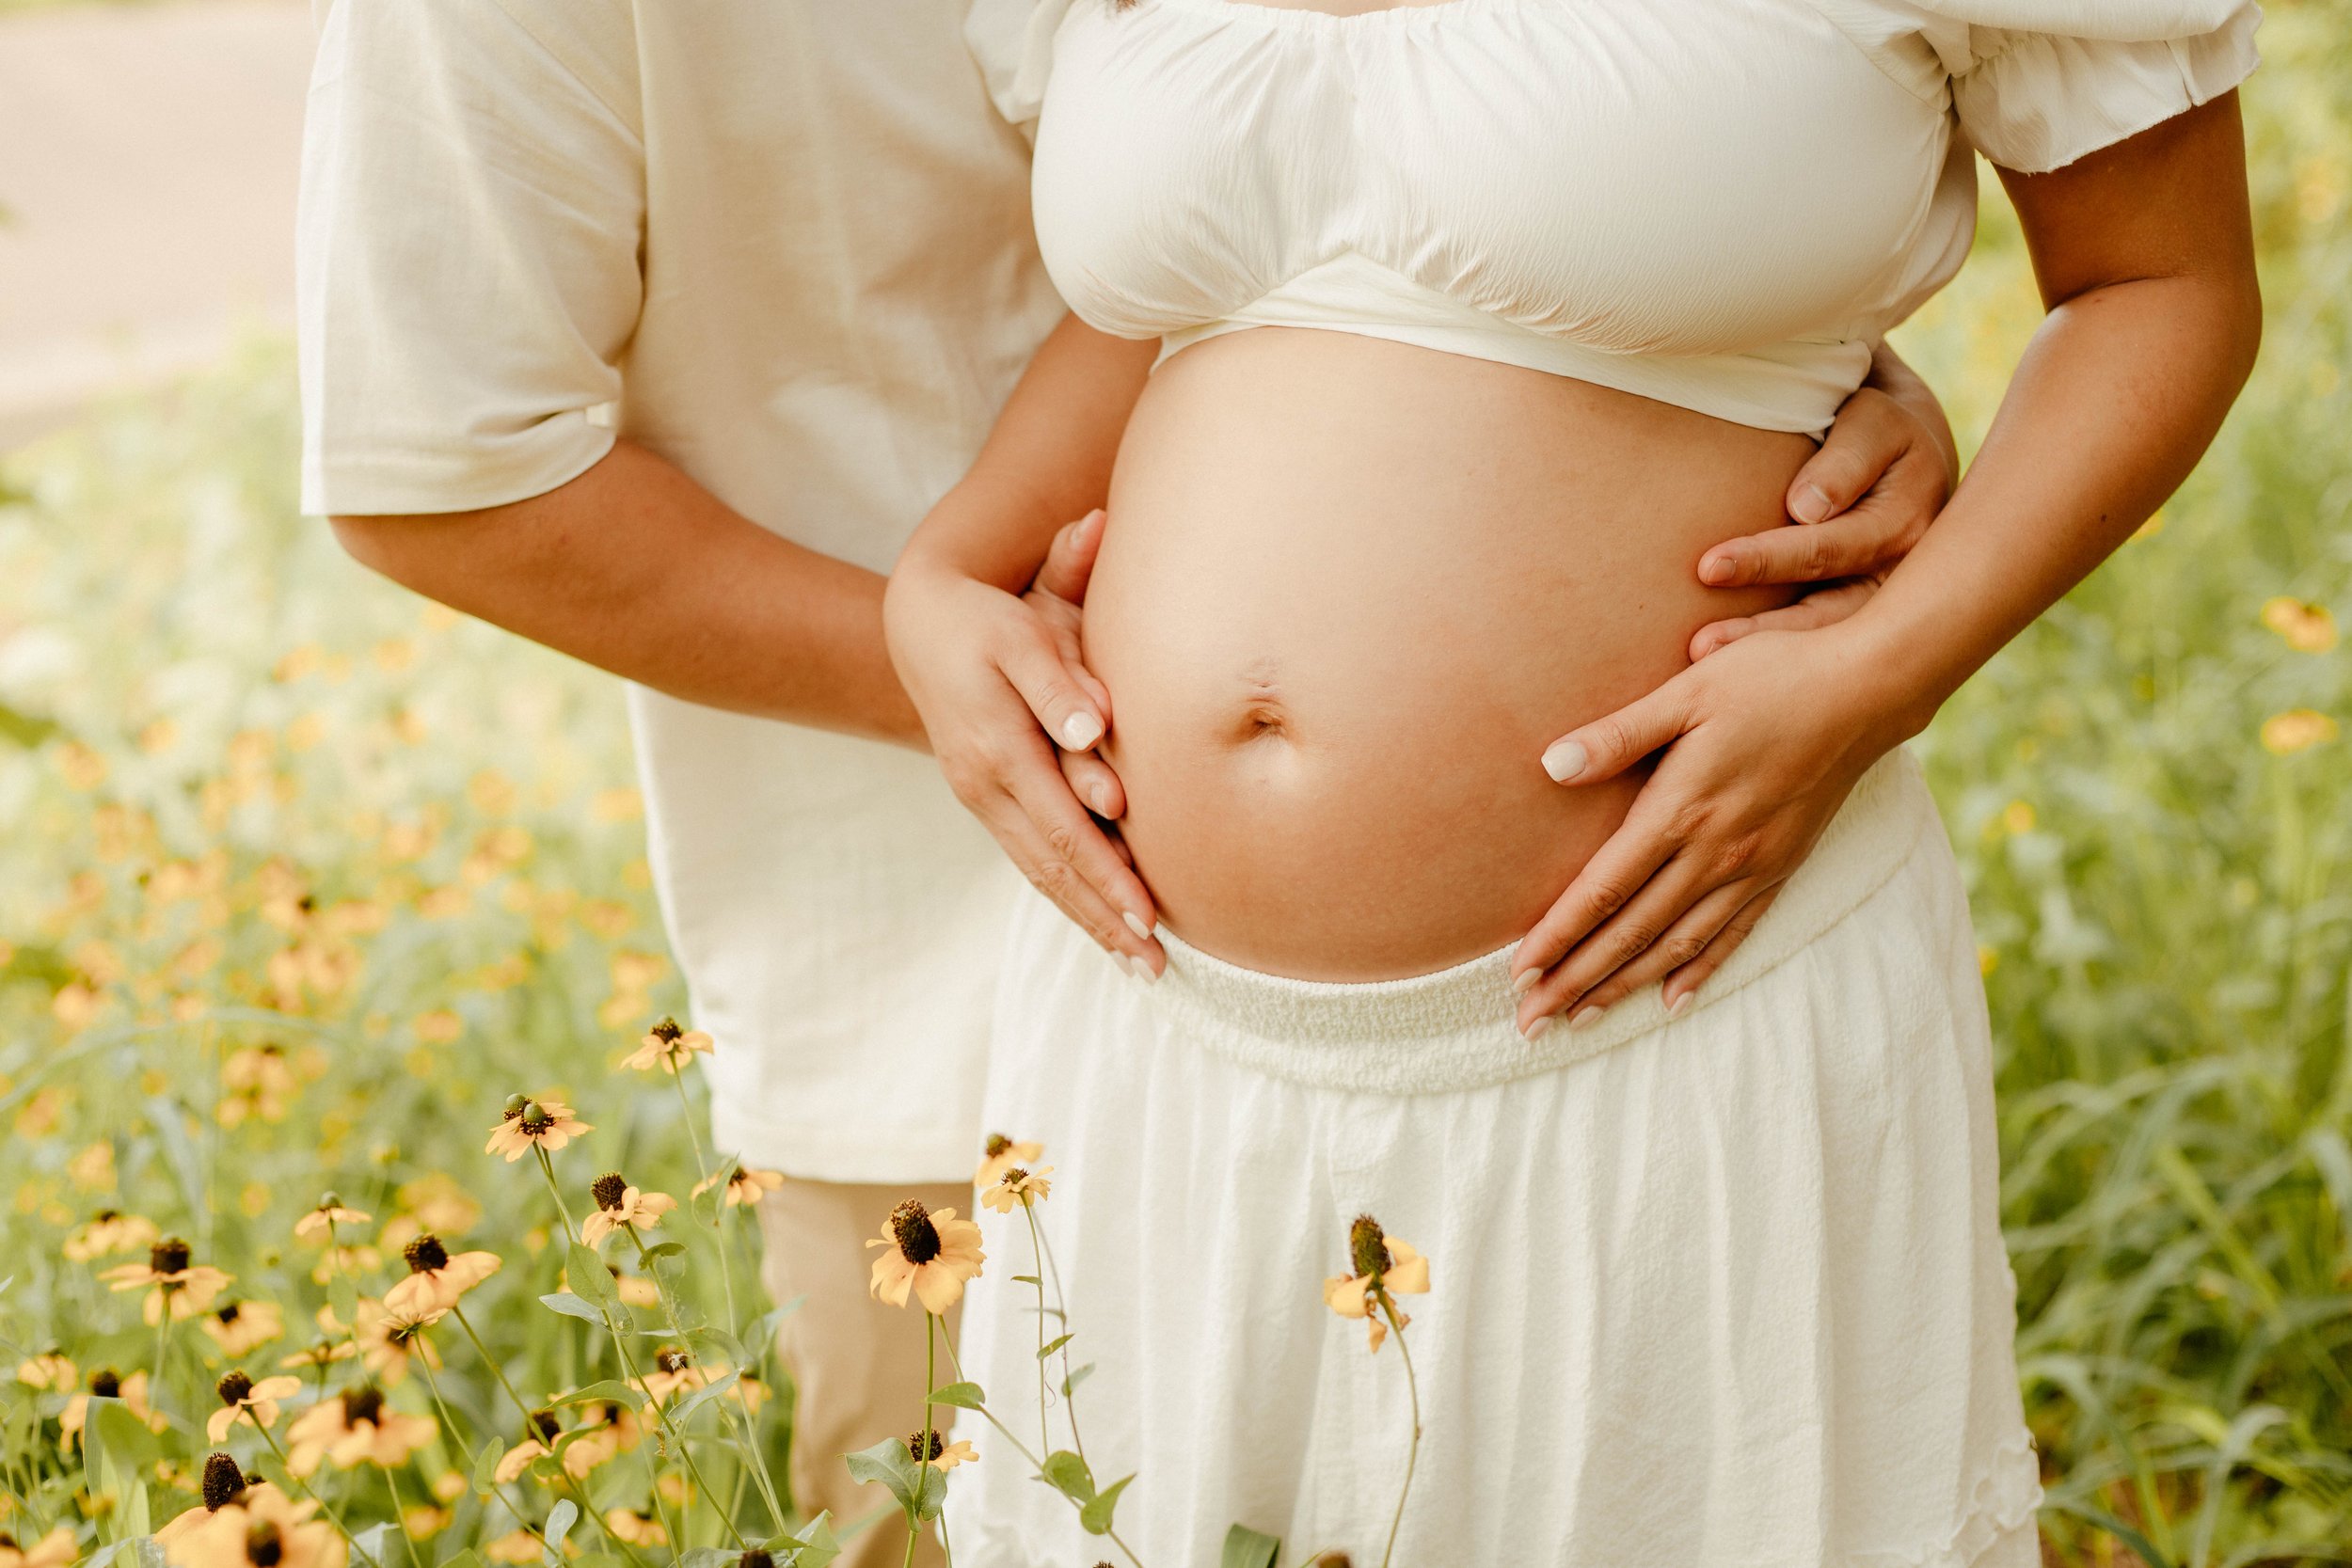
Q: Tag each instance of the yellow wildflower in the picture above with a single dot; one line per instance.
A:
(622, 1207)
(668, 1047)
(1384, 1268)
(185, 1290)
(929, 1254)
(534, 1123)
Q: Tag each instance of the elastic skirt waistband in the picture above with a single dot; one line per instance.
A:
(1454, 1029)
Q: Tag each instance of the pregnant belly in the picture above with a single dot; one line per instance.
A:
(1349, 591)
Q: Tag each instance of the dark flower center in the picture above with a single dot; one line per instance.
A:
(608, 1190)
(426, 1254)
(233, 1386)
(362, 1405)
(1014, 1177)
(917, 1237)
(674, 1360)
(222, 1482)
(1368, 1248)
(168, 1256)
(667, 1031)
(741, 1176)
(998, 1144)
(264, 1547)
(515, 1104)
(916, 1446)
(227, 1314)
(545, 1425)
(755, 1559)
(105, 1216)
(535, 1119)
(105, 1383)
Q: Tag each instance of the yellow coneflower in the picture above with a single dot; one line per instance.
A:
(256, 1081)
(320, 1220)
(173, 1283)
(675, 1369)
(425, 1521)
(246, 1401)
(353, 1259)
(354, 1428)
(436, 1279)
(517, 1546)
(241, 1327)
(246, 1522)
(105, 1383)
(939, 1454)
(622, 1207)
(544, 1428)
(53, 1550)
(638, 1529)
(1384, 1268)
(390, 1338)
(322, 1353)
(742, 1186)
(2308, 628)
(2297, 729)
(108, 1232)
(999, 1155)
(609, 1430)
(1017, 1188)
(929, 1253)
(668, 1047)
(533, 1124)
(50, 1370)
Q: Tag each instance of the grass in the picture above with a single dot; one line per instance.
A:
(304, 877)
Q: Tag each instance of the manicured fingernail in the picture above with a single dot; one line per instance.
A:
(1564, 760)
(1136, 924)
(1080, 731)
(1812, 504)
(1716, 570)
(1099, 797)
(1681, 1004)
(1145, 972)
(1585, 1018)
(1525, 981)
(1536, 1030)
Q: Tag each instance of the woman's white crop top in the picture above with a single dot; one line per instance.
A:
(1716, 203)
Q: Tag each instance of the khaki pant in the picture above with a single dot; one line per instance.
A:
(856, 1364)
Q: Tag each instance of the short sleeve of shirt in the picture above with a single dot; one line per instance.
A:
(1012, 41)
(468, 249)
(2038, 84)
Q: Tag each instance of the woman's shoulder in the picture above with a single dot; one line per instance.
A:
(2039, 82)
(1012, 43)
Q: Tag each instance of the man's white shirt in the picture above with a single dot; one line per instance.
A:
(785, 245)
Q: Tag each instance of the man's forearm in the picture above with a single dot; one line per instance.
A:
(635, 568)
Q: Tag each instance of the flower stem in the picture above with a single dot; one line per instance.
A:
(1412, 1454)
(547, 1168)
(1061, 1311)
(746, 1435)
(1018, 1447)
(1037, 1276)
(718, 1221)
(400, 1521)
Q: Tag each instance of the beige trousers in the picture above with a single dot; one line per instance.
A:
(856, 1364)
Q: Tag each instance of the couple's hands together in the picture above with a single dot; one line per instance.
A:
(1763, 737)
(1015, 729)
(1741, 795)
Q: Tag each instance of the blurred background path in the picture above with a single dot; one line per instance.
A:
(188, 118)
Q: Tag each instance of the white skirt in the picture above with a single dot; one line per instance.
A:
(1722, 1292)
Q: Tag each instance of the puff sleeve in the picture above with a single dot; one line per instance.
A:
(1012, 41)
(2038, 84)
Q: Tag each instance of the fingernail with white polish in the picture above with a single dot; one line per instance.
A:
(1100, 798)
(1681, 1004)
(1525, 981)
(1145, 972)
(1564, 760)
(1136, 924)
(1080, 731)
(1536, 1030)
(1585, 1018)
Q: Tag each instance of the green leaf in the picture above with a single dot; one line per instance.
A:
(1067, 1474)
(486, 1465)
(1070, 1383)
(963, 1396)
(1027, 1279)
(369, 1544)
(818, 1544)
(571, 1307)
(707, 1557)
(889, 1463)
(701, 1396)
(1052, 1345)
(667, 1249)
(703, 1206)
(585, 1271)
(1096, 1516)
(1245, 1548)
(609, 1388)
(560, 1521)
(27, 730)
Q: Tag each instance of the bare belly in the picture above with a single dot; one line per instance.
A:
(1349, 592)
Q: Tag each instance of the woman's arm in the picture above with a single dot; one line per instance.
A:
(992, 678)
(2144, 254)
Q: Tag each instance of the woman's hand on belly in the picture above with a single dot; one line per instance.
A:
(1748, 777)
